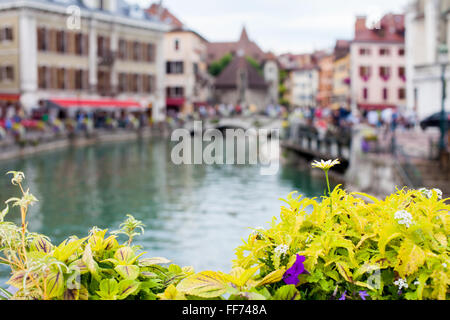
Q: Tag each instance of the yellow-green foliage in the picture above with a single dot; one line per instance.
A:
(360, 245)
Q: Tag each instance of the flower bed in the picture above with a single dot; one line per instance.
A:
(349, 247)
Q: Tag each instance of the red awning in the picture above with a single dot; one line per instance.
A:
(100, 104)
(175, 102)
(9, 97)
(370, 107)
(200, 103)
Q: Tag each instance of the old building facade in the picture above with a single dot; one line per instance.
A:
(252, 76)
(378, 74)
(341, 75)
(427, 28)
(188, 84)
(84, 53)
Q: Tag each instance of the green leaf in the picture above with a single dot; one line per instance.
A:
(152, 261)
(125, 256)
(41, 244)
(66, 249)
(207, 284)
(108, 289)
(175, 269)
(289, 292)
(90, 263)
(273, 277)
(5, 293)
(410, 258)
(128, 272)
(71, 294)
(127, 288)
(17, 280)
(54, 284)
(4, 213)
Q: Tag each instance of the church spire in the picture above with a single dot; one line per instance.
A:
(244, 35)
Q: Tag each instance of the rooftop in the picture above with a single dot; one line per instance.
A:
(391, 28)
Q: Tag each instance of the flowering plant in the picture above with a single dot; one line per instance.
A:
(351, 248)
(346, 246)
(96, 267)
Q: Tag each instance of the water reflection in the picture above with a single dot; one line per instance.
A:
(194, 214)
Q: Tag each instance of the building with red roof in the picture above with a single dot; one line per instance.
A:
(378, 76)
(250, 78)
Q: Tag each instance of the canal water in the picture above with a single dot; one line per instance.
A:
(195, 215)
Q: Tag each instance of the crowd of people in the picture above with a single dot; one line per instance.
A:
(16, 122)
(341, 118)
(201, 112)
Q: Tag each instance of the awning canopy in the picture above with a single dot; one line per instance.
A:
(179, 102)
(370, 107)
(9, 97)
(97, 104)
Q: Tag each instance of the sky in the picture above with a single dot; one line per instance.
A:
(280, 26)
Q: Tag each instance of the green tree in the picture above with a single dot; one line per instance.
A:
(216, 67)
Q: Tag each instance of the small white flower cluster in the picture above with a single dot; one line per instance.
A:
(404, 218)
(257, 231)
(309, 239)
(417, 283)
(281, 249)
(429, 193)
(401, 283)
(444, 265)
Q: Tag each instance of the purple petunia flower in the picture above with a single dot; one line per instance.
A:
(363, 294)
(343, 295)
(291, 275)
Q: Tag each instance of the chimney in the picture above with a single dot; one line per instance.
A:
(360, 24)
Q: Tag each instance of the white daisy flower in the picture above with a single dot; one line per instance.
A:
(401, 283)
(325, 165)
(281, 249)
(404, 218)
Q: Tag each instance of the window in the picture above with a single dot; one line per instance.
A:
(385, 94)
(150, 52)
(385, 52)
(364, 71)
(148, 83)
(79, 44)
(43, 39)
(6, 34)
(385, 72)
(104, 81)
(401, 94)
(6, 73)
(177, 44)
(134, 86)
(174, 67)
(61, 78)
(122, 49)
(365, 93)
(43, 77)
(61, 41)
(364, 52)
(79, 79)
(123, 82)
(401, 72)
(137, 51)
(175, 92)
(195, 67)
(401, 52)
(102, 46)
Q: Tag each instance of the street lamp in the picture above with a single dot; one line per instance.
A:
(443, 60)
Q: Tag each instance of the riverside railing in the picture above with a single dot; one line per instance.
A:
(306, 139)
(406, 169)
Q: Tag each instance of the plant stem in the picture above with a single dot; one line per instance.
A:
(329, 191)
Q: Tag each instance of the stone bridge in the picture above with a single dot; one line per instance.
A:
(245, 123)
